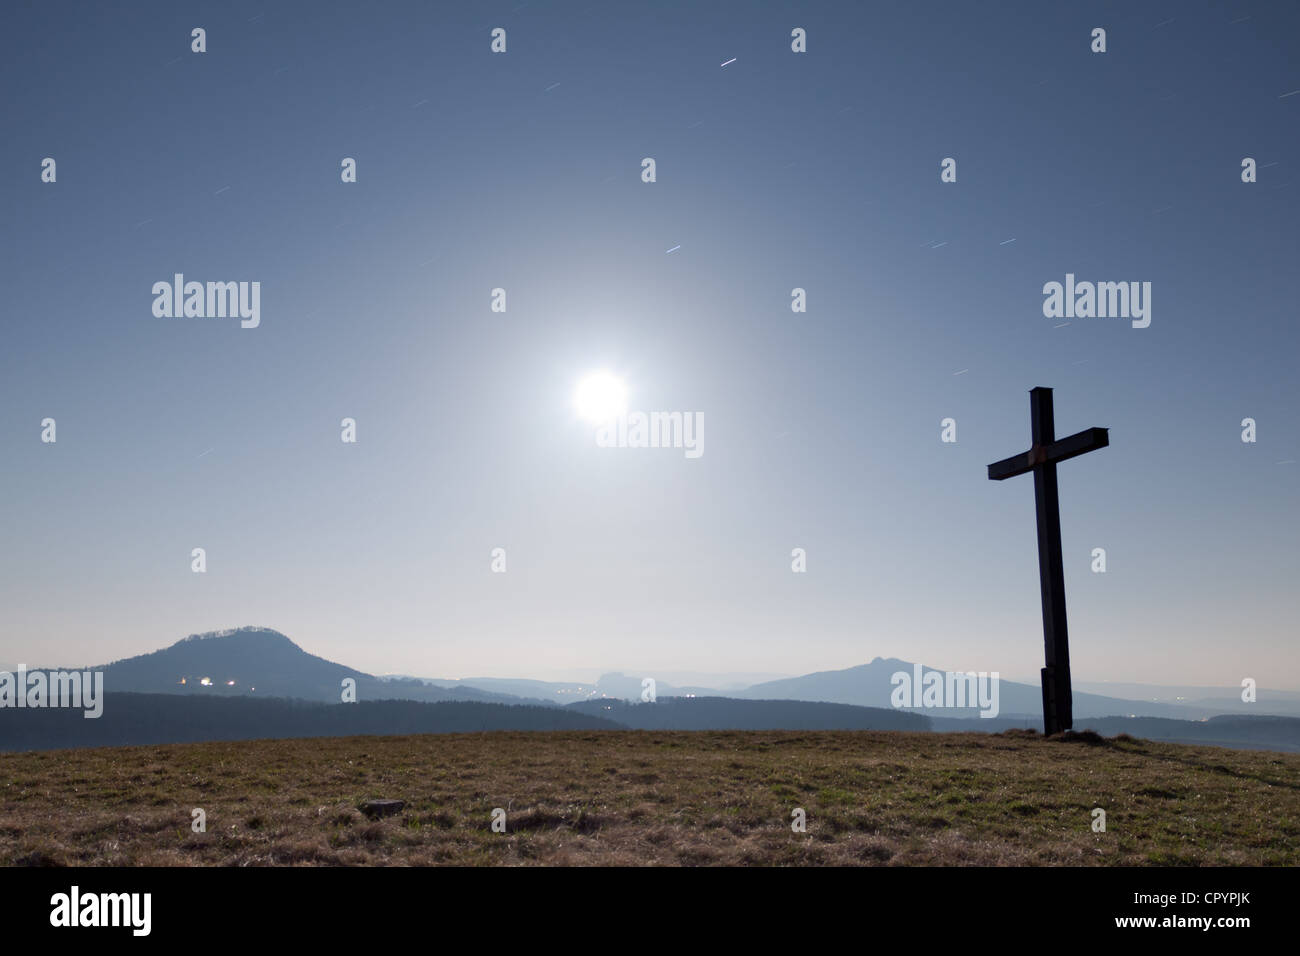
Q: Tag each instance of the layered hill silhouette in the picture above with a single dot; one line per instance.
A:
(869, 685)
(260, 662)
(254, 682)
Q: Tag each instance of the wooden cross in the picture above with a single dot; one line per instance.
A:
(1041, 459)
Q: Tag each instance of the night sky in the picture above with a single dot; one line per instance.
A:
(522, 171)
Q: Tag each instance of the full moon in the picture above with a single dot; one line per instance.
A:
(600, 397)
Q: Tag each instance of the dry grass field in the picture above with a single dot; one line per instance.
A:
(660, 798)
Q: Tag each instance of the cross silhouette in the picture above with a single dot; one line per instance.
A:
(1042, 458)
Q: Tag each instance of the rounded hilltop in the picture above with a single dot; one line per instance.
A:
(270, 633)
(238, 660)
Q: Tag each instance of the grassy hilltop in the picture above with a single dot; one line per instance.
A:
(649, 797)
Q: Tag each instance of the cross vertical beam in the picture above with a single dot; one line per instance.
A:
(1058, 704)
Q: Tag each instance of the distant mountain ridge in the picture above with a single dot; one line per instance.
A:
(254, 682)
(611, 684)
(869, 685)
(262, 662)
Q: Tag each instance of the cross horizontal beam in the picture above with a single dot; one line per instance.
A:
(1061, 450)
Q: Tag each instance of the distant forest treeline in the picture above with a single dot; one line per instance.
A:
(132, 719)
(135, 719)
(727, 713)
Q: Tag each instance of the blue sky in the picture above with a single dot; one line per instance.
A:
(822, 429)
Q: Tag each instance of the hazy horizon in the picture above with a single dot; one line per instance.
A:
(775, 171)
(724, 681)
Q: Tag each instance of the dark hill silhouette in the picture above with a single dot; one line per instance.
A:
(724, 713)
(145, 719)
(868, 685)
(275, 678)
(264, 663)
